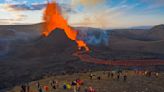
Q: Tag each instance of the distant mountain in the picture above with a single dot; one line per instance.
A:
(158, 27)
(141, 27)
(157, 31)
(137, 44)
(146, 43)
(20, 32)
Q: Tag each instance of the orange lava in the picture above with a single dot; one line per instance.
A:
(147, 62)
(53, 19)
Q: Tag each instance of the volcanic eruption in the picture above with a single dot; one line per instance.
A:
(53, 19)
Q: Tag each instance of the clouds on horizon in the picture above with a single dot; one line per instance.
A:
(119, 14)
(22, 7)
(92, 13)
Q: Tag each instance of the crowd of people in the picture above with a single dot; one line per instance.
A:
(112, 75)
(54, 84)
(76, 85)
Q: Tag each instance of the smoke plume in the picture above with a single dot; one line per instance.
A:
(95, 37)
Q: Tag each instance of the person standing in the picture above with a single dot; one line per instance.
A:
(112, 75)
(23, 88)
(125, 77)
(91, 76)
(53, 86)
(78, 87)
(156, 74)
(74, 83)
(118, 76)
(38, 85)
(91, 89)
(98, 78)
(46, 88)
(40, 89)
(109, 74)
(28, 87)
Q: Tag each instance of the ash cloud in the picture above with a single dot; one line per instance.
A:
(92, 36)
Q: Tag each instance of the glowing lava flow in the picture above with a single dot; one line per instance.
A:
(53, 19)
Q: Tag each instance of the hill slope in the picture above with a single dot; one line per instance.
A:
(23, 60)
(41, 57)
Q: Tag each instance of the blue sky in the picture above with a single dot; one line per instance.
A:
(92, 13)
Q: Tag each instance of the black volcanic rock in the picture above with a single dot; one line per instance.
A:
(56, 43)
(7, 33)
(41, 57)
(53, 54)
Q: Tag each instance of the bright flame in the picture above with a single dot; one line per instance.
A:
(53, 19)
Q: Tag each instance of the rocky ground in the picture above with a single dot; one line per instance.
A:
(135, 83)
(26, 56)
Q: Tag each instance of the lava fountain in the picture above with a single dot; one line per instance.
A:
(53, 19)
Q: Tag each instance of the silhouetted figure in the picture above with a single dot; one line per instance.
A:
(118, 76)
(23, 88)
(28, 87)
(57, 83)
(147, 73)
(99, 78)
(81, 82)
(125, 77)
(156, 74)
(73, 84)
(109, 74)
(91, 76)
(64, 86)
(91, 89)
(46, 88)
(52, 83)
(78, 87)
(112, 75)
(104, 73)
(86, 89)
(40, 89)
(38, 85)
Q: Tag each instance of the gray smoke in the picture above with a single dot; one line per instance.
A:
(94, 36)
(10, 37)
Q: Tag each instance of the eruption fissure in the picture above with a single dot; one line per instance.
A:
(53, 19)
